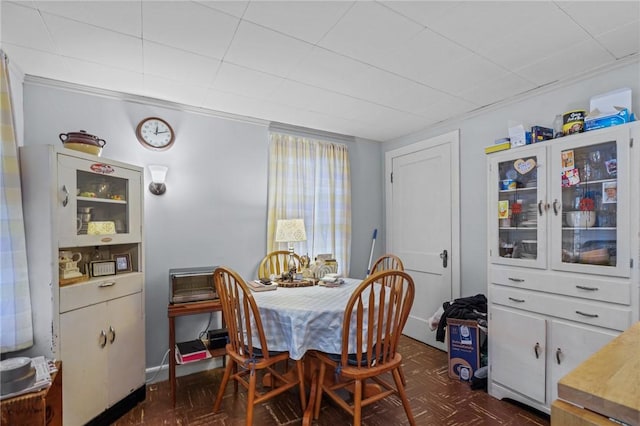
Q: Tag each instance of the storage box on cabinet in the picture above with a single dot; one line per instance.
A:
(589, 312)
(614, 290)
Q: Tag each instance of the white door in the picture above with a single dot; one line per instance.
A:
(422, 217)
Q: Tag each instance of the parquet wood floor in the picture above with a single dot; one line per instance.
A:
(435, 400)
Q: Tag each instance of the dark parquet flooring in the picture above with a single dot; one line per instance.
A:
(435, 400)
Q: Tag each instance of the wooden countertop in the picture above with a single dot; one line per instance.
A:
(608, 382)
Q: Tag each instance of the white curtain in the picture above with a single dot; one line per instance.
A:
(16, 329)
(310, 179)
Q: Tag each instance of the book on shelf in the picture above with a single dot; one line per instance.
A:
(193, 350)
(497, 147)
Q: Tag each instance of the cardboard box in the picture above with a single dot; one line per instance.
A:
(464, 348)
(598, 120)
(539, 134)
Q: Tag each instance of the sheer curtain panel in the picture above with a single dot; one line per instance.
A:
(16, 329)
(310, 179)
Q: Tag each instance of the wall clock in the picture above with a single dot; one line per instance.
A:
(155, 133)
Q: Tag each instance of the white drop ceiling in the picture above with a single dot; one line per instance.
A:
(371, 69)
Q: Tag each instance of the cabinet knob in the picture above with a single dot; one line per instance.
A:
(558, 353)
(65, 201)
(556, 207)
(112, 333)
(103, 339)
(536, 350)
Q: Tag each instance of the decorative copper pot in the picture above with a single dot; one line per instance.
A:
(82, 137)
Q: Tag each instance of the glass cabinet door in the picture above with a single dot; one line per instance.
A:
(590, 205)
(518, 207)
(98, 203)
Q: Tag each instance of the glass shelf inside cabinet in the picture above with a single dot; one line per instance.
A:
(589, 204)
(518, 209)
(102, 203)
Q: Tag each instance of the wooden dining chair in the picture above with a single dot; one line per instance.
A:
(276, 263)
(249, 355)
(385, 262)
(373, 321)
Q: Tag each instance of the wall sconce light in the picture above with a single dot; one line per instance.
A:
(158, 176)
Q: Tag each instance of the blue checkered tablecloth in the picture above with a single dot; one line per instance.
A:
(302, 318)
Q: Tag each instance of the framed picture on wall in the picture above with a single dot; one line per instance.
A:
(123, 262)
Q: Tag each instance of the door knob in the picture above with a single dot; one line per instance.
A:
(444, 256)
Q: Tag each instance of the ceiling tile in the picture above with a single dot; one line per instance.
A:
(100, 75)
(261, 49)
(423, 12)
(517, 49)
(93, 44)
(311, 98)
(492, 91)
(231, 103)
(480, 24)
(340, 74)
(463, 74)
(235, 8)
(175, 64)
(174, 91)
(622, 41)
(38, 63)
(598, 17)
(368, 29)
(307, 20)
(566, 63)
(188, 26)
(23, 26)
(119, 16)
(246, 82)
(418, 56)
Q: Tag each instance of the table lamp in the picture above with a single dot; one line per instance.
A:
(290, 231)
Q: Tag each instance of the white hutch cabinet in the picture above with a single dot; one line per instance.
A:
(94, 324)
(563, 241)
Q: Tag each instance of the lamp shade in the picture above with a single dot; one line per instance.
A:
(158, 173)
(288, 230)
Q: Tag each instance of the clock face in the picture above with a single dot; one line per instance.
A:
(155, 133)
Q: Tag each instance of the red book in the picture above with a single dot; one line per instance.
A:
(192, 350)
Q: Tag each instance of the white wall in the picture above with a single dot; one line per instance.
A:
(480, 130)
(214, 210)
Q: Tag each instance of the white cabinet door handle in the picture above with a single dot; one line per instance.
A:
(103, 339)
(584, 314)
(582, 287)
(112, 333)
(558, 353)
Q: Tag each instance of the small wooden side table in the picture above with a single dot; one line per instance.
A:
(36, 408)
(182, 309)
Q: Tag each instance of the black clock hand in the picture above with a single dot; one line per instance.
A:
(166, 131)
(156, 129)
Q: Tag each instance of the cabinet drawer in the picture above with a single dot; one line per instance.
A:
(99, 290)
(584, 311)
(614, 290)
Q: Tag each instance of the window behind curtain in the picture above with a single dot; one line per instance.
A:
(310, 179)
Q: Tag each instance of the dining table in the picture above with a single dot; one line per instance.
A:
(299, 319)
(302, 319)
